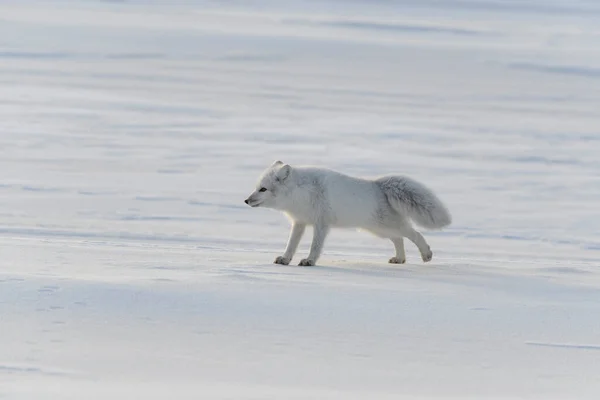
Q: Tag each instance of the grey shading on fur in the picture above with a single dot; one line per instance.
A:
(416, 200)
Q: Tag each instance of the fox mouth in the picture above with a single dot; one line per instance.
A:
(253, 204)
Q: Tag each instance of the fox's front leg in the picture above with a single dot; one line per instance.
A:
(292, 245)
(320, 233)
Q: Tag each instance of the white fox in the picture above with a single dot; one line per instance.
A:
(324, 199)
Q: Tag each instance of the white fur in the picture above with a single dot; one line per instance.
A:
(324, 199)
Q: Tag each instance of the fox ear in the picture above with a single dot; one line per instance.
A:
(283, 172)
(276, 163)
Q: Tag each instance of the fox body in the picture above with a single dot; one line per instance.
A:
(326, 199)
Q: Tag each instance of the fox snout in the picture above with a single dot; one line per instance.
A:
(251, 201)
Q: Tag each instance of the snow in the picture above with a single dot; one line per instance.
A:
(131, 132)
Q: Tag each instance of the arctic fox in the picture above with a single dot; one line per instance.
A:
(324, 199)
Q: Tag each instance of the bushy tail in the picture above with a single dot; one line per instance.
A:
(415, 200)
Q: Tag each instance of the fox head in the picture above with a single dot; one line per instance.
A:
(270, 186)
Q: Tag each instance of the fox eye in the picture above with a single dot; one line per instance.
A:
(262, 189)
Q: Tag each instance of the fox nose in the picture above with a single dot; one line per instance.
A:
(246, 201)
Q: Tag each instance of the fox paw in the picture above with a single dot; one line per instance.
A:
(397, 260)
(427, 256)
(306, 262)
(282, 260)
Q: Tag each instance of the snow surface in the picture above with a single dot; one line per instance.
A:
(132, 131)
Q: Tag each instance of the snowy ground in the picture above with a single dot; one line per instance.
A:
(131, 132)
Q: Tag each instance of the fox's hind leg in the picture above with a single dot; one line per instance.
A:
(400, 254)
(420, 242)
